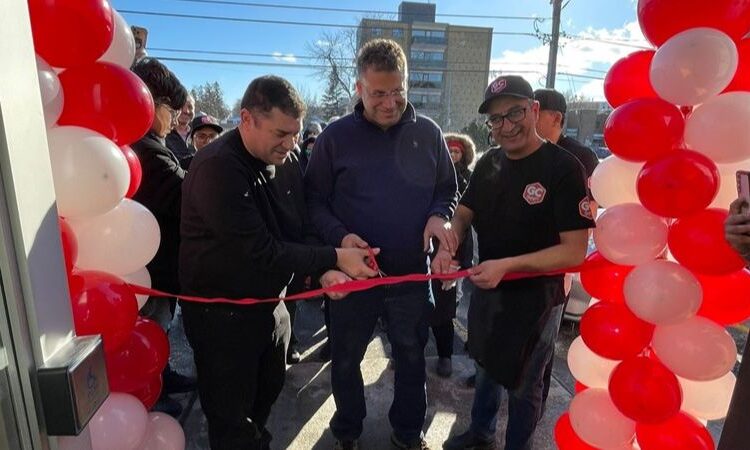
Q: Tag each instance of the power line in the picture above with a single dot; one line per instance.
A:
(624, 43)
(323, 66)
(309, 57)
(359, 11)
(287, 22)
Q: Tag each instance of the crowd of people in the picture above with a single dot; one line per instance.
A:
(266, 210)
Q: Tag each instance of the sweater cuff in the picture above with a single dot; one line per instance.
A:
(327, 258)
(441, 212)
(336, 236)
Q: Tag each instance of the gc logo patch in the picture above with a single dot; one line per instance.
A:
(534, 193)
(498, 85)
(584, 208)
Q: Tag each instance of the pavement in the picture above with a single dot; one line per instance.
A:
(300, 416)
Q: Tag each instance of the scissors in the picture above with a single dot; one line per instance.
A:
(373, 263)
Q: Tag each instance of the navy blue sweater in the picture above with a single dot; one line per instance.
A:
(382, 185)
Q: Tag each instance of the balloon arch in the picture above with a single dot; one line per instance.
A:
(653, 362)
(94, 106)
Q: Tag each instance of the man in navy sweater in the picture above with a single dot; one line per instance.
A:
(382, 177)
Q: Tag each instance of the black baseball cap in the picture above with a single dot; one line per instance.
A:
(205, 121)
(551, 100)
(511, 85)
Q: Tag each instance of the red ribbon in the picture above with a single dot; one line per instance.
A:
(349, 286)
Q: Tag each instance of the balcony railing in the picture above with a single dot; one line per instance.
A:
(426, 105)
(425, 84)
(429, 40)
(428, 63)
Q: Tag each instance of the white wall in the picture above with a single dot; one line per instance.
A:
(31, 262)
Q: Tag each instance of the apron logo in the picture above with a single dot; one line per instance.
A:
(584, 209)
(534, 193)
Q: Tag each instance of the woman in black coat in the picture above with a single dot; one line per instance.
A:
(161, 192)
(462, 151)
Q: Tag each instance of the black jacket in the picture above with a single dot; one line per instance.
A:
(243, 224)
(160, 192)
(179, 147)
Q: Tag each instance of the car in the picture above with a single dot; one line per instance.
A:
(579, 300)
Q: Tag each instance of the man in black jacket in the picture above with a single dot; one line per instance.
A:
(160, 192)
(177, 138)
(244, 222)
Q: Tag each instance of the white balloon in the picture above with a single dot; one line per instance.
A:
(119, 242)
(122, 49)
(598, 422)
(587, 367)
(719, 128)
(163, 433)
(119, 424)
(708, 400)
(693, 66)
(662, 292)
(697, 349)
(613, 182)
(728, 183)
(141, 277)
(53, 99)
(90, 172)
(629, 234)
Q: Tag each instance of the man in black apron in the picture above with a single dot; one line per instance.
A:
(528, 203)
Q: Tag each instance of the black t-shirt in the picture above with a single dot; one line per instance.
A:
(585, 155)
(521, 206)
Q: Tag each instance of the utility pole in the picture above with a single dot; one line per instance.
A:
(552, 62)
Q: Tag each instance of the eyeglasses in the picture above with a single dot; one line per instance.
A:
(172, 112)
(514, 116)
(380, 95)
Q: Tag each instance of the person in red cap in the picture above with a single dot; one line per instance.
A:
(463, 151)
(203, 131)
(528, 202)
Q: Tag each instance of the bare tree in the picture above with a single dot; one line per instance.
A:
(236, 108)
(575, 97)
(314, 110)
(335, 52)
(209, 98)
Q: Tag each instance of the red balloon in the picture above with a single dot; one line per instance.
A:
(681, 432)
(136, 172)
(645, 390)
(662, 19)
(678, 184)
(69, 244)
(726, 298)
(71, 33)
(108, 99)
(628, 79)
(741, 80)
(102, 304)
(149, 394)
(604, 280)
(580, 387)
(644, 129)
(612, 331)
(566, 438)
(142, 357)
(697, 242)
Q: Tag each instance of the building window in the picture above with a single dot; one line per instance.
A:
(377, 31)
(428, 36)
(426, 56)
(428, 80)
(397, 33)
(425, 101)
